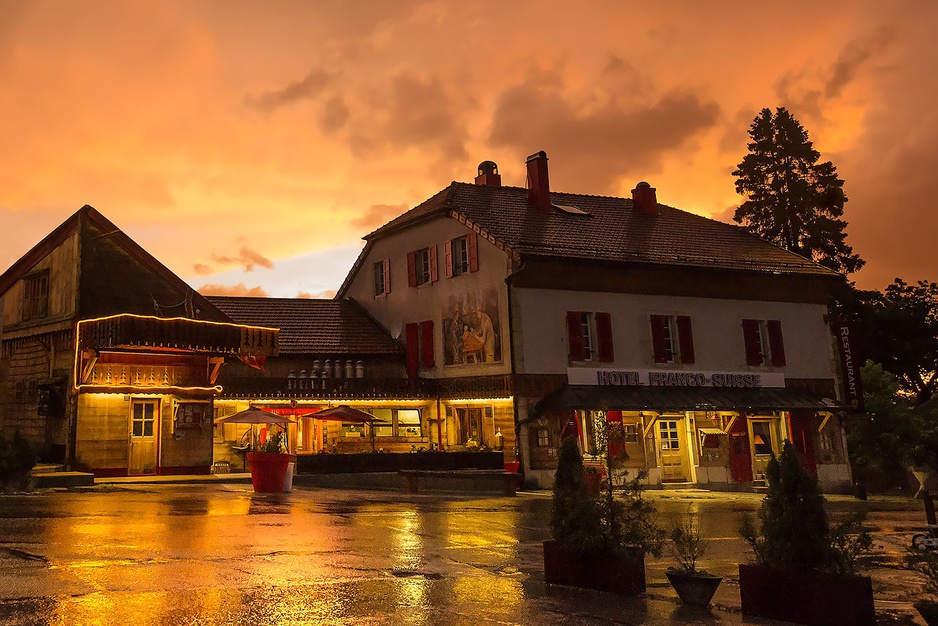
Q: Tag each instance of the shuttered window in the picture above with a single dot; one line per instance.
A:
(382, 271)
(672, 339)
(764, 343)
(589, 336)
(426, 344)
(422, 266)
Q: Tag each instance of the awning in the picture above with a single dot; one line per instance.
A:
(642, 398)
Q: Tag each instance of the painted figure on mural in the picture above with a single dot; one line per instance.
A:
(471, 331)
(485, 333)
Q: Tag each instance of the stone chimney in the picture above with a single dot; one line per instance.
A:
(538, 182)
(488, 174)
(644, 199)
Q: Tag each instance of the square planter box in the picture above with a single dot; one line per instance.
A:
(603, 572)
(811, 598)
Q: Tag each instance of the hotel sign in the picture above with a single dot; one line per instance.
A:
(673, 378)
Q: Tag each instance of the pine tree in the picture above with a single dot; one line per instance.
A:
(791, 199)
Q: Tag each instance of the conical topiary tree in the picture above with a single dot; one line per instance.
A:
(795, 532)
(576, 521)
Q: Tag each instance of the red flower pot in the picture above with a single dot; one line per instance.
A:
(269, 471)
(512, 466)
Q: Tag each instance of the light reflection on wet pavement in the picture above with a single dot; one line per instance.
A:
(219, 554)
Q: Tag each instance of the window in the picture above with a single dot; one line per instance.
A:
(764, 343)
(590, 336)
(461, 255)
(144, 418)
(36, 296)
(408, 423)
(382, 277)
(421, 266)
(672, 339)
(384, 428)
(670, 440)
(543, 437)
(394, 423)
(630, 433)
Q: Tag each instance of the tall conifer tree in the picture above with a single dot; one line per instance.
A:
(791, 199)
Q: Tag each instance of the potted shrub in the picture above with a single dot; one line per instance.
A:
(694, 586)
(599, 541)
(17, 458)
(269, 465)
(805, 571)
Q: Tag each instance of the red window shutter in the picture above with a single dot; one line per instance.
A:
(685, 336)
(575, 336)
(411, 336)
(448, 258)
(753, 344)
(387, 275)
(426, 343)
(472, 246)
(604, 333)
(412, 269)
(431, 252)
(776, 345)
(657, 339)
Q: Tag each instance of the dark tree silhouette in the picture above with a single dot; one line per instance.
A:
(791, 199)
(900, 332)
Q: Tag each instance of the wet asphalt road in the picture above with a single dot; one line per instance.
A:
(219, 554)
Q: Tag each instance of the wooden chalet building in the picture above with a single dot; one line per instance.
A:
(108, 360)
(708, 344)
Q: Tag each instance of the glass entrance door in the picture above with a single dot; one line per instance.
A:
(763, 437)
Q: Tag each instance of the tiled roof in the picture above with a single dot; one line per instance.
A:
(611, 231)
(312, 326)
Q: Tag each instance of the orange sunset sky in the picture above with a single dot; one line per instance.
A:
(250, 145)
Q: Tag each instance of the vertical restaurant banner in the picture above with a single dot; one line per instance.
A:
(847, 334)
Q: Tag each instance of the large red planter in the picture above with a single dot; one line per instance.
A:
(811, 598)
(603, 572)
(269, 471)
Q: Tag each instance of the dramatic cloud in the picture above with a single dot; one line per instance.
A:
(378, 214)
(232, 290)
(247, 258)
(311, 123)
(327, 294)
(307, 89)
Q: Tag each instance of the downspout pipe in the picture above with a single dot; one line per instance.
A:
(511, 360)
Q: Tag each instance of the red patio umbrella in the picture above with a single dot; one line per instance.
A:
(345, 413)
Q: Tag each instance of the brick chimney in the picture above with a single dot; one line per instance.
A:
(644, 199)
(488, 174)
(538, 182)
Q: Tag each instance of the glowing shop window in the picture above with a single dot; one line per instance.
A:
(408, 423)
(384, 428)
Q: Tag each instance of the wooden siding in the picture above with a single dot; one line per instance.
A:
(103, 431)
(62, 264)
(186, 447)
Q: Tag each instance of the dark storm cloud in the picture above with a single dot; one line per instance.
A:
(413, 112)
(602, 136)
(855, 55)
(378, 214)
(808, 90)
(246, 258)
(309, 88)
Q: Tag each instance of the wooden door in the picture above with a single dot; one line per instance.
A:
(144, 434)
(671, 449)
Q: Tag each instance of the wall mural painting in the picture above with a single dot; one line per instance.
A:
(471, 329)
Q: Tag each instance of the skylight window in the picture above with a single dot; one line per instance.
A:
(570, 210)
